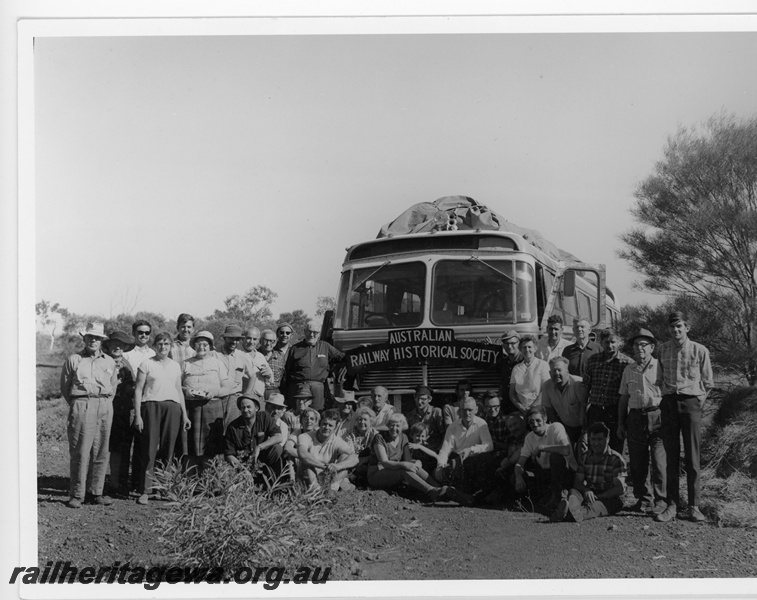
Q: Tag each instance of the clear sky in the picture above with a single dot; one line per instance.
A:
(180, 170)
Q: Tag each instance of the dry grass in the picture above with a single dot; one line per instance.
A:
(51, 420)
(729, 479)
(225, 518)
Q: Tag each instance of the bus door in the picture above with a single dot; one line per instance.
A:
(578, 290)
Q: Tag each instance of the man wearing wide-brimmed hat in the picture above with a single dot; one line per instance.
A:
(346, 404)
(88, 383)
(640, 422)
(121, 433)
(240, 369)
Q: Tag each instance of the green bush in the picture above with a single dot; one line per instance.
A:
(225, 518)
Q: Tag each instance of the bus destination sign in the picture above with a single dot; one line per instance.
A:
(421, 346)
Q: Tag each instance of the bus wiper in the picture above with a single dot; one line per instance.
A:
(376, 270)
(493, 268)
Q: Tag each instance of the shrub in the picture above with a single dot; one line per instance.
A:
(51, 420)
(226, 518)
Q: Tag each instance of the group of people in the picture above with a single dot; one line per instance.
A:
(555, 430)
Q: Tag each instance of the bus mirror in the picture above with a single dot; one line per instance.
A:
(569, 283)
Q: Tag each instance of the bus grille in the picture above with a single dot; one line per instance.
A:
(440, 378)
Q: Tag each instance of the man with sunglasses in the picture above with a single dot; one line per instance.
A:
(310, 362)
(141, 331)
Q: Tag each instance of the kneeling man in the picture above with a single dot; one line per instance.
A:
(599, 483)
(253, 436)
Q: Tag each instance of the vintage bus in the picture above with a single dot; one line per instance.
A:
(429, 307)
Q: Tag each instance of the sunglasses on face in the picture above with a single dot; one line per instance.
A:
(143, 332)
(285, 333)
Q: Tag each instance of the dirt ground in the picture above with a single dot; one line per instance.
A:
(388, 536)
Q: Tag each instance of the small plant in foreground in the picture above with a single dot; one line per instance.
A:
(227, 518)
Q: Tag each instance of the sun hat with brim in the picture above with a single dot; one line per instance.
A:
(256, 400)
(120, 336)
(510, 335)
(95, 330)
(347, 396)
(202, 334)
(232, 331)
(643, 333)
(276, 400)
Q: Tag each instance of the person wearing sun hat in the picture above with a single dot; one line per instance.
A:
(121, 432)
(346, 404)
(204, 381)
(88, 382)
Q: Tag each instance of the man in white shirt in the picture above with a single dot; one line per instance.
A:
(141, 331)
(552, 344)
(381, 407)
(466, 453)
(551, 459)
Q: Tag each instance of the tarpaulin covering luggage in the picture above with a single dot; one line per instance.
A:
(462, 213)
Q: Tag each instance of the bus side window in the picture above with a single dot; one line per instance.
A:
(541, 292)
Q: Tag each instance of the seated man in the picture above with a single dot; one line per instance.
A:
(549, 453)
(429, 415)
(303, 398)
(466, 454)
(599, 482)
(324, 457)
(253, 436)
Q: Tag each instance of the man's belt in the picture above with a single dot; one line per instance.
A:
(77, 396)
(648, 409)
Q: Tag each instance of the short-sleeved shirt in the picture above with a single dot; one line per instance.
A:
(578, 357)
(383, 415)
(684, 369)
(394, 450)
(137, 355)
(528, 380)
(569, 403)
(328, 451)
(239, 366)
(207, 374)
(262, 372)
(162, 380)
(555, 435)
(277, 361)
(603, 378)
(310, 363)
(181, 351)
(88, 374)
(240, 441)
(600, 472)
(639, 383)
(475, 437)
(544, 352)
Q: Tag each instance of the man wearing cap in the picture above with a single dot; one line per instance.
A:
(640, 422)
(565, 400)
(275, 406)
(579, 352)
(381, 407)
(253, 436)
(346, 404)
(303, 398)
(511, 356)
(88, 383)
(121, 431)
(602, 377)
(430, 415)
(553, 343)
(181, 349)
(310, 361)
(684, 374)
(263, 373)
(240, 371)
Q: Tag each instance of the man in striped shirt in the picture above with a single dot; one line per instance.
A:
(684, 375)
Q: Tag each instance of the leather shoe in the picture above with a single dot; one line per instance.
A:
(576, 509)
(73, 503)
(102, 500)
(666, 515)
(561, 511)
(696, 515)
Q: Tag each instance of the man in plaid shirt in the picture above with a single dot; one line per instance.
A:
(604, 373)
(684, 375)
(599, 482)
